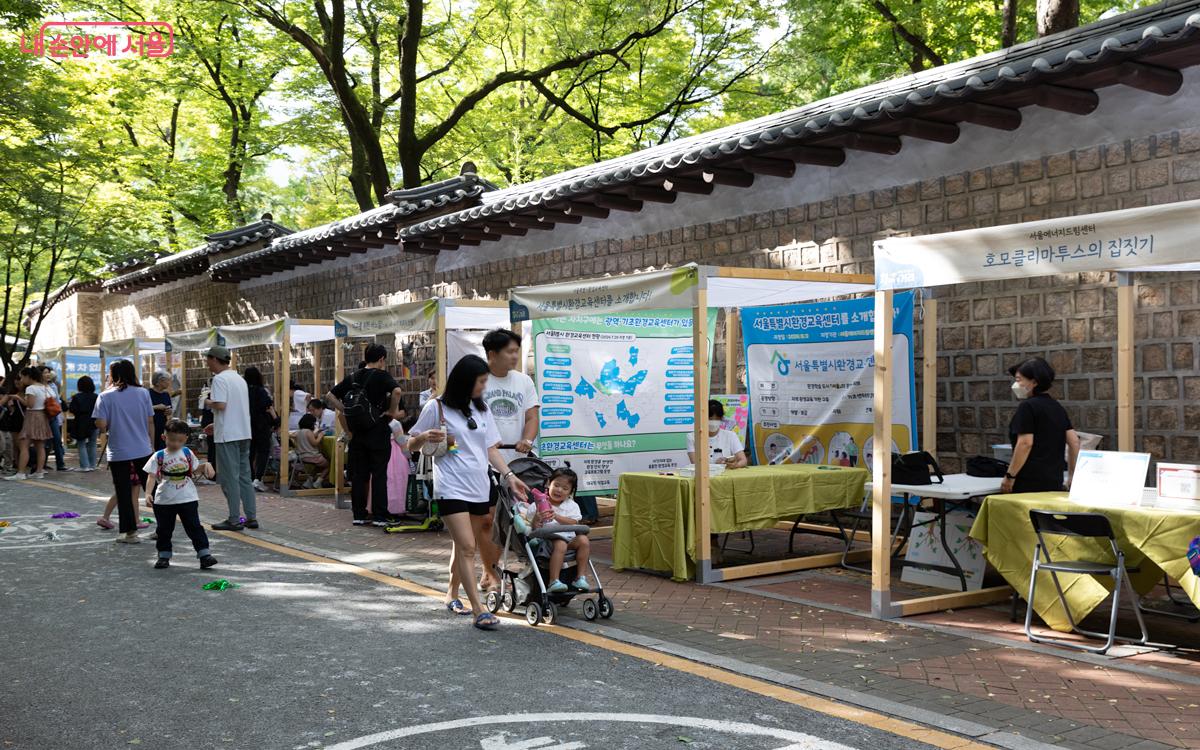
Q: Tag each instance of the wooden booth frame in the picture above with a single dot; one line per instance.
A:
(837, 284)
(929, 261)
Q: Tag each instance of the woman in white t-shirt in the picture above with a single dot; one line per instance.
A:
(36, 429)
(460, 477)
(724, 446)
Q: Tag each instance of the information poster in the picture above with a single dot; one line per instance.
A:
(81, 362)
(1109, 478)
(617, 392)
(810, 374)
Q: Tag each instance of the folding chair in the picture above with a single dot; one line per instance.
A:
(1083, 526)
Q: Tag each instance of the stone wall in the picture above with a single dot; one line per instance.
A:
(983, 327)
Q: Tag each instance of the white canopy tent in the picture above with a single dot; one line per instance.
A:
(697, 288)
(282, 334)
(199, 340)
(437, 315)
(1150, 239)
(134, 350)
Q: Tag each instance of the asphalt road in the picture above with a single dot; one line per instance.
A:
(99, 650)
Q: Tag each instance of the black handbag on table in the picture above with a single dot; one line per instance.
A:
(918, 467)
(986, 466)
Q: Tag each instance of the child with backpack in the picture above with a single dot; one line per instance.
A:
(171, 470)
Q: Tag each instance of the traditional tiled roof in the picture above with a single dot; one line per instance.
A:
(195, 260)
(1143, 49)
(358, 233)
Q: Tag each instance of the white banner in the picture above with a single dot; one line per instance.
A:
(191, 341)
(655, 290)
(403, 317)
(1111, 241)
(119, 349)
(268, 332)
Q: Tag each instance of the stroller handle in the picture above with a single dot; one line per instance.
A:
(545, 532)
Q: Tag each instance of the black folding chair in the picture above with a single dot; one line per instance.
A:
(1085, 526)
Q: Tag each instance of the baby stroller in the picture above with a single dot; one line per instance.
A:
(524, 563)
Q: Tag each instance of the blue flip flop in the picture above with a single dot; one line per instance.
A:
(455, 607)
(487, 621)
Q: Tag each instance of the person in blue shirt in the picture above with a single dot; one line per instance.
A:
(124, 411)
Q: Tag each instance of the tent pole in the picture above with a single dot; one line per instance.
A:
(929, 376)
(703, 374)
(1125, 365)
(316, 365)
(183, 403)
(881, 467)
(731, 350)
(339, 476)
(284, 375)
(439, 350)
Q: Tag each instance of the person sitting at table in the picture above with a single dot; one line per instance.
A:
(724, 446)
(1041, 433)
(325, 417)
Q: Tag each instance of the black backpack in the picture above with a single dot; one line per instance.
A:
(986, 466)
(12, 417)
(918, 467)
(361, 415)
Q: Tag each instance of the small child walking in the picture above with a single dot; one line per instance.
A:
(171, 470)
(560, 488)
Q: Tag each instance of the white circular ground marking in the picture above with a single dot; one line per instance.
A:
(796, 740)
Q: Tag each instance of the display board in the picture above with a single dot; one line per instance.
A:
(81, 362)
(617, 392)
(810, 373)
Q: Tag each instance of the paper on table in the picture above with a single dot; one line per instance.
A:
(1109, 478)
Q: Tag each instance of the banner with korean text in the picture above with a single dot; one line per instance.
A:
(810, 371)
(81, 362)
(1126, 240)
(617, 392)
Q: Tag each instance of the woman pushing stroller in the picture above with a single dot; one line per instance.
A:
(460, 420)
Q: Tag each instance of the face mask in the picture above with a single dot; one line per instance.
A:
(1019, 390)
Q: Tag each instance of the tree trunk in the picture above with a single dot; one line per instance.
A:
(233, 172)
(1008, 35)
(410, 40)
(1054, 16)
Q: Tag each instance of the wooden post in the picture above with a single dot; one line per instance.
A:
(284, 374)
(881, 467)
(1125, 365)
(339, 474)
(316, 365)
(183, 402)
(732, 341)
(439, 350)
(929, 376)
(703, 373)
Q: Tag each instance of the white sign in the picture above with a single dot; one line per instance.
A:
(654, 290)
(926, 546)
(1109, 478)
(1110, 241)
(403, 317)
(461, 343)
(1179, 484)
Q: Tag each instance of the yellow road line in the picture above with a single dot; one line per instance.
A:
(899, 727)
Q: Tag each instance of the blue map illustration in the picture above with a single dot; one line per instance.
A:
(610, 383)
(630, 418)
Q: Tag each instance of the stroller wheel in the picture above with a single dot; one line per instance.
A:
(493, 602)
(509, 600)
(533, 614)
(590, 610)
(606, 607)
(551, 614)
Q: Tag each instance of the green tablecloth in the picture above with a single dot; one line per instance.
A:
(1154, 539)
(654, 523)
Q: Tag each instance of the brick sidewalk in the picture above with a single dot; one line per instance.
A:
(1077, 702)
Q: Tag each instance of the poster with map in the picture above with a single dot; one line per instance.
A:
(617, 393)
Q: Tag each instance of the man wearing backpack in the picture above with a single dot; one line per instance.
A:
(368, 400)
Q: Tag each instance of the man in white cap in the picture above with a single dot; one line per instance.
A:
(229, 400)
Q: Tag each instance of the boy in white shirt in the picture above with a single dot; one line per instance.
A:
(724, 446)
(171, 470)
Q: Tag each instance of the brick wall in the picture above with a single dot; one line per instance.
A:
(983, 327)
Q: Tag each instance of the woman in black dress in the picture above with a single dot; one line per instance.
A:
(1045, 445)
(160, 398)
(262, 425)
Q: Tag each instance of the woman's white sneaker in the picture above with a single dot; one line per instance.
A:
(16, 478)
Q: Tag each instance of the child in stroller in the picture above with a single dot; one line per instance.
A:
(533, 562)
